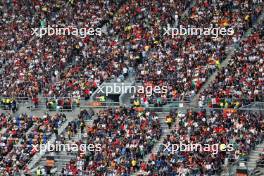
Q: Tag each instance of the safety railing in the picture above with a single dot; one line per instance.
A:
(43, 103)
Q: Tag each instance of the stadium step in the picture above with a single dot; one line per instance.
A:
(254, 156)
(35, 160)
(165, 132)
(63, 158)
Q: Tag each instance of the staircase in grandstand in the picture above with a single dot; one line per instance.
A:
(62, 158)
(252, 164)
(70, 116)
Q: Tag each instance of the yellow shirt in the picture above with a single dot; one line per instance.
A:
(8, 101)
(247, 17)
(38, 172)
(136, 103)
(134, 162)
(102, 98)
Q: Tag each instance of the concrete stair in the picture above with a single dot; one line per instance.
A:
(254, 157)
(62, 158)
(37, 157)
(165, 132)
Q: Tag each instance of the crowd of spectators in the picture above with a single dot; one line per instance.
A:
(241, 129)
(18, 19)
(19, 134)
(125, 137)
(132, 37)
(73, 66)
(184, 63)
(12, 129)
(53, 65)
(242, 81)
